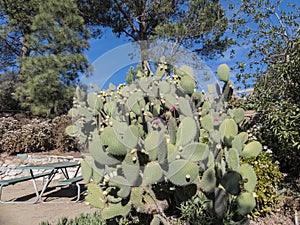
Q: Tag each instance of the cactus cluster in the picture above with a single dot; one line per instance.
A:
(160, 129)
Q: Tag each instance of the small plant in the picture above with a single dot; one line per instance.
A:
(83, 219)
(159, 135)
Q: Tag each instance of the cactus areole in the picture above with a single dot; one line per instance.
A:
(161, 130)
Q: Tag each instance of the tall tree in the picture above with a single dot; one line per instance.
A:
(272, 35)
(52, 39)
(198, 23)
(15, 21)
(268, 31)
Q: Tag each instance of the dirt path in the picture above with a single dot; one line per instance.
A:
(34, 214)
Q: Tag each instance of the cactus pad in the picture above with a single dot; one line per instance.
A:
(249, 177)
(223, 72)
(232, 159)
(252, 149)
(152, 173)
(182, 172)
(186, 132)
(114, 210)
(231, 181)
(245, 202)
(195, 152)
(95, 196)
(208, 180)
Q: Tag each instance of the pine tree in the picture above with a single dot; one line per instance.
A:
(197, 24)
(50, 54)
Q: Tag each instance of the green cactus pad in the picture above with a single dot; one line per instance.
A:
(207, 122)
(86, 171)
(252, 149)
(162, 152)
(110, 108)
(245, 203)
(151, 144)
(131, 168)
(205, 108)
(73, 112)
(220, 202)
(72, 130)
(232, 159)
(195, 152)
(97, 152)
(231, 181)
(136, 102)
(248, 174)
(80, 94)
(172, 152)
(188, 84)
(119, 127)
(182, 172)
(158, 219)
(186, 70)
(131, 137)
(97, 177)
(228, 130)
(164, 87)
(198, 98)
(172, 129)
(170, 100)
(185, 107)
(144, 83)
(238, 115)
(113, 210)
(136, 199)
(160, 71)
(113, 141)
(187, 131)
(239, 141)
(208, 181)
(123, 185)
(223, 72)
(95, 196)
(152, 173)
(94, 101)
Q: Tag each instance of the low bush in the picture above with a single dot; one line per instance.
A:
(24, 135)
(34, 137)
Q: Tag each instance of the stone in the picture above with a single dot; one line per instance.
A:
(2, 169)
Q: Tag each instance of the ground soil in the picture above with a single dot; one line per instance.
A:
(34, 214)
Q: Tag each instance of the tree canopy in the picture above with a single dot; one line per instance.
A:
(194, 23)
(46, 39)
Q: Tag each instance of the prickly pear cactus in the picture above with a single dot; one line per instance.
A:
(159, 129)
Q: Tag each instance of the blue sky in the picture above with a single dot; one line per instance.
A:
(109, 56)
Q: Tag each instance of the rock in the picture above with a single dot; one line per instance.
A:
(12, 166)
(2, 169)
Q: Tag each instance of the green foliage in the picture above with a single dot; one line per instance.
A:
(268, 180)
(155, 124)
(83, 219)
(51, 40)
(190, 23)
(8, 85)
(274, 61)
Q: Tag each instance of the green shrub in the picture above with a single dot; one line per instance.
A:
(268, 180)
(83, 219)
(268, 173)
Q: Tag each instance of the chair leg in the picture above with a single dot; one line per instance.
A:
(20, 202)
